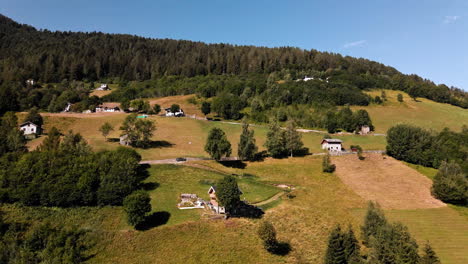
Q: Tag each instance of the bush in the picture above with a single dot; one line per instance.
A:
(137, 206)
(326, 164)
(451, 184)
(267, 234)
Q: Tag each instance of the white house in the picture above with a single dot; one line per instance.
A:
(68, 107)
(334, 145)
(213, 203)
(103, 87)
(30, 82)
(30, 128)
(108, 107)
(177, 114)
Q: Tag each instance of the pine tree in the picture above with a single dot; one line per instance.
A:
(217, 144)
(429, 256)
(351, 245)
(335, 251)
(293, 139)
(276, 140)
(374, 220)
(246, 148)
(52, 141)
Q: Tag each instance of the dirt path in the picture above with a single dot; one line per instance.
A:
(385, 180)
(271, 199)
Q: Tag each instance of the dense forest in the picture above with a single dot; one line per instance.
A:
(146, 67)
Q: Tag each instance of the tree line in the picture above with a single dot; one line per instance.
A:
(64, 172)
(387, 242)
(54, 56)
(447, 150)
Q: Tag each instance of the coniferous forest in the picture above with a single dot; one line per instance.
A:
(241, 75)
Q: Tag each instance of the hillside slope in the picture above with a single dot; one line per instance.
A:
(423, 113)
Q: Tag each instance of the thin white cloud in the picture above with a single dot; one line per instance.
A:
(451, 19)
(355, 44)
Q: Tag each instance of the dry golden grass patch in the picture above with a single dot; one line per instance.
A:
(387, 181)
(181, 100)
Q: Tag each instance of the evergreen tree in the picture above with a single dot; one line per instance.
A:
(156, 109)
(335, 253)
(137, 205)
(34, 116)
(400, 98)
(246, 149)
(374, 220)
(293, 139)
(331, 123)
(52, 141)
(429, 256)
(206, 108)
(351, 246)
(228, 193)
(276, 140)
(346, 119)
(217, 144)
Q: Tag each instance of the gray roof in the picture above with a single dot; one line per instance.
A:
(333, 140)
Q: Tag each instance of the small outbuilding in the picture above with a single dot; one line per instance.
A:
(364, 130)
(333, 145)
(103, 87)
(125, 140)
(179, 113)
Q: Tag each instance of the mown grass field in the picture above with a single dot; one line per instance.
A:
(423, 113)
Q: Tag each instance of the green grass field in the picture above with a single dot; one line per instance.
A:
(424, 113)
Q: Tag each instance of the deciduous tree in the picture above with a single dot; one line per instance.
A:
(217, 144)
(137, 205)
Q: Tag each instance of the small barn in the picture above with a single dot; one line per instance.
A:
(29, 128)
(333, 145)
(108, 108)
(125, 140)
(364, 130)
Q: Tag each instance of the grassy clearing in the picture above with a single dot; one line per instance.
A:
(181, 137)
(172, 180)
(424, 113)
(112, 87)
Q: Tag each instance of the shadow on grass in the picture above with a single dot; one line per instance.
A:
(149, 186)
(281, 249)
(238, 164)
(113, 139)
(154, 220)
(247, 211)
(159, 144)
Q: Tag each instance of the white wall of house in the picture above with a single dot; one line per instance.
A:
(29, 129)
(332, 146)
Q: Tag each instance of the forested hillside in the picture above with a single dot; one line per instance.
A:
(169, 67)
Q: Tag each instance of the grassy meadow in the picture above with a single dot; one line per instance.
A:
(180, 137)
(423, 113)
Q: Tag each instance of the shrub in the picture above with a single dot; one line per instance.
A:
(267, 234)
(137, 205)
(326, 164)
(450, 184)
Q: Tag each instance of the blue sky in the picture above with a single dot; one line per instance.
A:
(426, 37)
